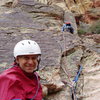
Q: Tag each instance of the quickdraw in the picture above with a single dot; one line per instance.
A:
(73, 88)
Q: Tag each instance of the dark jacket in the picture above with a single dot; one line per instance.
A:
(68, 28)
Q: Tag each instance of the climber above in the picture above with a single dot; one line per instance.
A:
(67, 27)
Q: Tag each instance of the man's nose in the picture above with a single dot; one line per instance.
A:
(30, 61)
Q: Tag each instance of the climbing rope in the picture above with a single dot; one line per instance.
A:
(73, 89)
(73, 82)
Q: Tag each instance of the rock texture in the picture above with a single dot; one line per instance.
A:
(76, 6)
(91, 75)
(91, 15)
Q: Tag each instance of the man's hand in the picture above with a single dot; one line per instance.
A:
(51, 88)
(44, 91)
(15, 2)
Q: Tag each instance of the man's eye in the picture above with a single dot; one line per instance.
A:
(35, 57)
(26, 58)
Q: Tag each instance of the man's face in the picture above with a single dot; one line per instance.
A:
(28, 63)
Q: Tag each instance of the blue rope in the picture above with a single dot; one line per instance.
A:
(73, 89)
(78, 74)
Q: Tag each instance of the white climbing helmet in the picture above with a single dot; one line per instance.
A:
(26, 47)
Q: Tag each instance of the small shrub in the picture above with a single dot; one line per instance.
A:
(95, 28)
(81, 31)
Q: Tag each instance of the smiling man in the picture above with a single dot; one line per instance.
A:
(21, 82)
(28, 63)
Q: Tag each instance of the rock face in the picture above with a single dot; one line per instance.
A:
(96, 3)
(61, 52)
(90, 8)
(76, 6)
(91, 74)
(91, 15)
(29, 20)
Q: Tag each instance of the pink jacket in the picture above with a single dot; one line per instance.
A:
(15, 84)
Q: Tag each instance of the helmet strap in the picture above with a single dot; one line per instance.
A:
(37, 65)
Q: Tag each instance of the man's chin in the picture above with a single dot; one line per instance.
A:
(29, 71)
